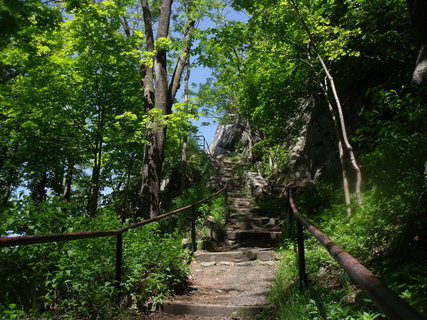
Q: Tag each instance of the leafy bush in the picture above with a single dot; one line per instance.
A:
(328, 297)
(76, 278)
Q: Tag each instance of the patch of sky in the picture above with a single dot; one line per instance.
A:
(199, 74)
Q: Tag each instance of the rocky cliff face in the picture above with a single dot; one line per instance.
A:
(226, 137)
(311, 146)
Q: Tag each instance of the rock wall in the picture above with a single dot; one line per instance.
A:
(226, 137)
(310, 142)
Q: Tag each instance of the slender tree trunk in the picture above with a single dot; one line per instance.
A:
(417, 11)
(2, 157)
(7, 190)
(66, 195)
(343, 127)
(57, 183)
(183, 182)
(340, 151)
(343, 136)
(124, 209)
(95, 185)
(39, 192)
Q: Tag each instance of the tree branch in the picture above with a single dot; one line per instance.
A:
(147, 70)
(182, 61)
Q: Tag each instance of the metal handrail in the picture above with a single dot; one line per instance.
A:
(208, 153)
(394, 307)
(205, 143)
(57, 237)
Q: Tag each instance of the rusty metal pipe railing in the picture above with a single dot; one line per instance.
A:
(386, 299)
(57, 237)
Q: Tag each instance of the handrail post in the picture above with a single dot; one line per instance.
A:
(301, 256)
(193, 229)
(226, 213)
(119, 264)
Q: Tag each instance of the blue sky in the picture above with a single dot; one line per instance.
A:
(200, 74)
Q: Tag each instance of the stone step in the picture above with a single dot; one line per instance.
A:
(242, 210)
(237, 194)
(252, 235)
(240, 216)
(236, 256)
(212, 310)
(266, 224)
(245, 200)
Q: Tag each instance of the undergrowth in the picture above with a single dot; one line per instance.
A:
(75, 279)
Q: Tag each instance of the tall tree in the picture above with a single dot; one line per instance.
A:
(159, 95)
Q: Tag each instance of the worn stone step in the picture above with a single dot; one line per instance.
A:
(212, 310)
(236, 256)
(239, 199)
(242, 210)
(239, 216)
(252, 235)
(250, 223)
(237, 194)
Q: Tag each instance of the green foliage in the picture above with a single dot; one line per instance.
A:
(385, 234)
(328, 297)
(76, 278)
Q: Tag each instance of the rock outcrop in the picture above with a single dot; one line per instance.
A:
(310, 142)
(226, 138)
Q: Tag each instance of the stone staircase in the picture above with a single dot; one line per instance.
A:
(233, 281)
(246, 227)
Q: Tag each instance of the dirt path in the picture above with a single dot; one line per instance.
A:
(244, 283)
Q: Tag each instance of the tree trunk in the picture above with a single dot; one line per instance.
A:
(341, 137)
(7, 190)
(95, 184)
(183, 179)
(164, 95)
(92, 204)
(417, 11)
(154, 150)
(38, 194)
(343, 127)
(151, 173)
(66, 195)
(344, 172)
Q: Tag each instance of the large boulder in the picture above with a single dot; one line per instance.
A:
(226, 137)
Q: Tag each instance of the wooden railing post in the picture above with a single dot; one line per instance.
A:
(193, 229)
(119, 264)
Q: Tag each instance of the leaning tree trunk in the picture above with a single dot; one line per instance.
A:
(342, 137)
(418, 14)
(184, 164)
(340, 151)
